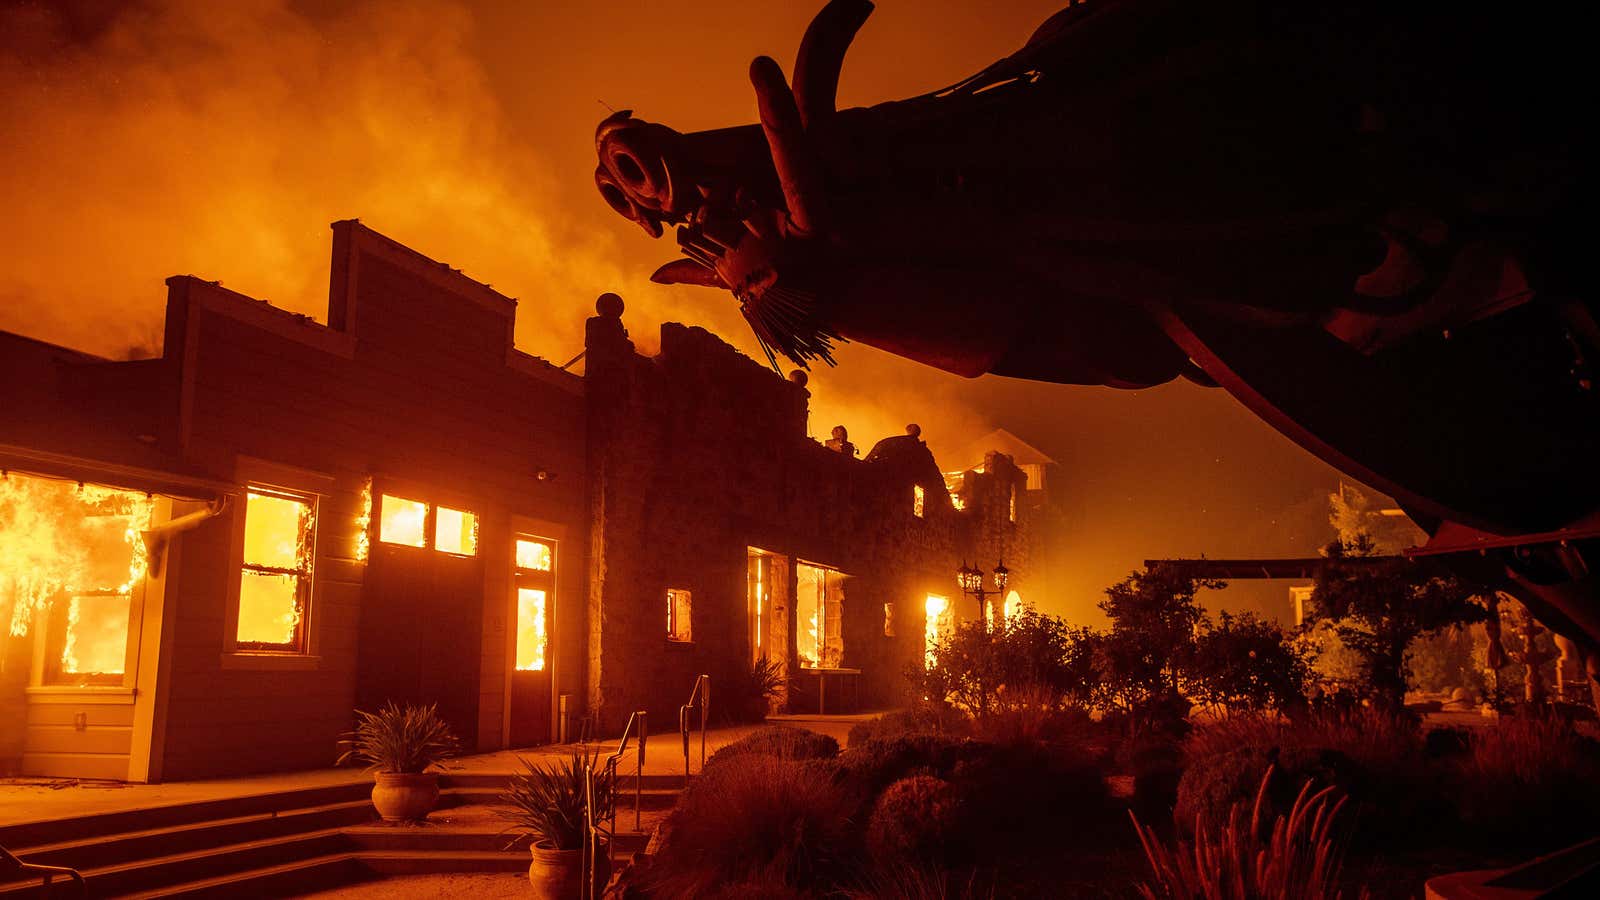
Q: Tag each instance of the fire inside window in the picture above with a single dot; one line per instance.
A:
(679, 613)
(819, 610)
(937, 610)
(275, 578)
(532, 575)
(402, 521)
(1013, 512)
(72, 561)
(455, 531)
(918, 501)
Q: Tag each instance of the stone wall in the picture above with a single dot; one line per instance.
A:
(698, 454)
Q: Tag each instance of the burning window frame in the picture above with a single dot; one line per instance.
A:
(536, 572)
(829, 603)
(303, 571)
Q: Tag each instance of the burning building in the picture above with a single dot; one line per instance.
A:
(210, 558)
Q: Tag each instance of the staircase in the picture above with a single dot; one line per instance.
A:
(292, 842)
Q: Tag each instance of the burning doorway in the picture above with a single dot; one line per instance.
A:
(533, 584)
(72, 602)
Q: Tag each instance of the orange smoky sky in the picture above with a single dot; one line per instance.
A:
(147, 139)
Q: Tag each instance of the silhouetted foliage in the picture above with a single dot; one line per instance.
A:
(1380, 607)
(780, 741)
(1246, 662)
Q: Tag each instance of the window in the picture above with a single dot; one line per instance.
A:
(410, 523)
(888, 620)
(275, 578)
(402, 521)
(679, 612)
(1013, 606)
(819, 610)
(758, 598)
(535, 563)
(455, 531)
(937, 609)
(534, 556)
(1013, 513)
(919, 499)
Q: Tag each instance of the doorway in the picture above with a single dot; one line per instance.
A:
(533, 597)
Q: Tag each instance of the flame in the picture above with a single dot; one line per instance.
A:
(74, 544)
(531, 637)
(937, 609)
(364, 522)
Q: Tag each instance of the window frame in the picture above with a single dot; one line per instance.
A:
(538, 580)
(305, 577)
(263, 476)
(674, 634)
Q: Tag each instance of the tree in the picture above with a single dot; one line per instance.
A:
(1380, 605)
(1246, 662)
(1151, 644)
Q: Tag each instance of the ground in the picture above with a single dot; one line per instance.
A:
(478, 886)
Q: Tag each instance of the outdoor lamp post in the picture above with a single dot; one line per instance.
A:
(970, 578)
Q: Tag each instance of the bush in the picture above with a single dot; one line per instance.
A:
(781, 741)
(870, 767)
(1211, 787)
(1299, 854)
(924, 718)
(748, 694)
(1245, 662)
(916, 818)
(1529, 779)
(756, 819)
(1029, 714)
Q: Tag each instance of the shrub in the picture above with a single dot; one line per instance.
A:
(924, 718)
(1300, 856)
(1528, 779)
(1245, 662)
(975, 662)
(406, 739)
(915, 818)
(781, 741)
(547, 803)
(749, 693)
(1023, 791)
(901, 881)
(1029, 713)
(756, 819)
(874, 765)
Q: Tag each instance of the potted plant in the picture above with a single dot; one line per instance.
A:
(547, 803)
(400, 744)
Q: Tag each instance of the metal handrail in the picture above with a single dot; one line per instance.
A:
(594, 828)
(702, 692)
(10, 863)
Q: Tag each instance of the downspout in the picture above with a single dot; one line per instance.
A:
(157, 537)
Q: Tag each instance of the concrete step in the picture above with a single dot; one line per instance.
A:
(19, 837)
(498, 780)
(284, 880)
(107, 850)
(477, 839)
(156, 872)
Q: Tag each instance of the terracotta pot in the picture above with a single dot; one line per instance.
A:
(403, 797)
(558, 874)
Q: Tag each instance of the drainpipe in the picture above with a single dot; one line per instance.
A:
(157, 537)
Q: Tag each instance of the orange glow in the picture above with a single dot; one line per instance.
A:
(680, 616)
(532, 638)
(534, 555)
(75, 553)
(918, 501)
(455, 531)
(937, 609)
(403, 521)
(1013, 606)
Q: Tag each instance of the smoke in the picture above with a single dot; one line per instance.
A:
(220, 139)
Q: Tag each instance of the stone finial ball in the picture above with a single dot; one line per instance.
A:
(839, 434)
(799, 376)
(914, 430)
(609, 305)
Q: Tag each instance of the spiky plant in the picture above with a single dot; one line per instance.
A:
(1300, 859)
(547, 802)
(401, 739)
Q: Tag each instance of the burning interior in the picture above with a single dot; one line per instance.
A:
(72, 560)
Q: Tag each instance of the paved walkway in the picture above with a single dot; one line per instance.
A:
(24, 800)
